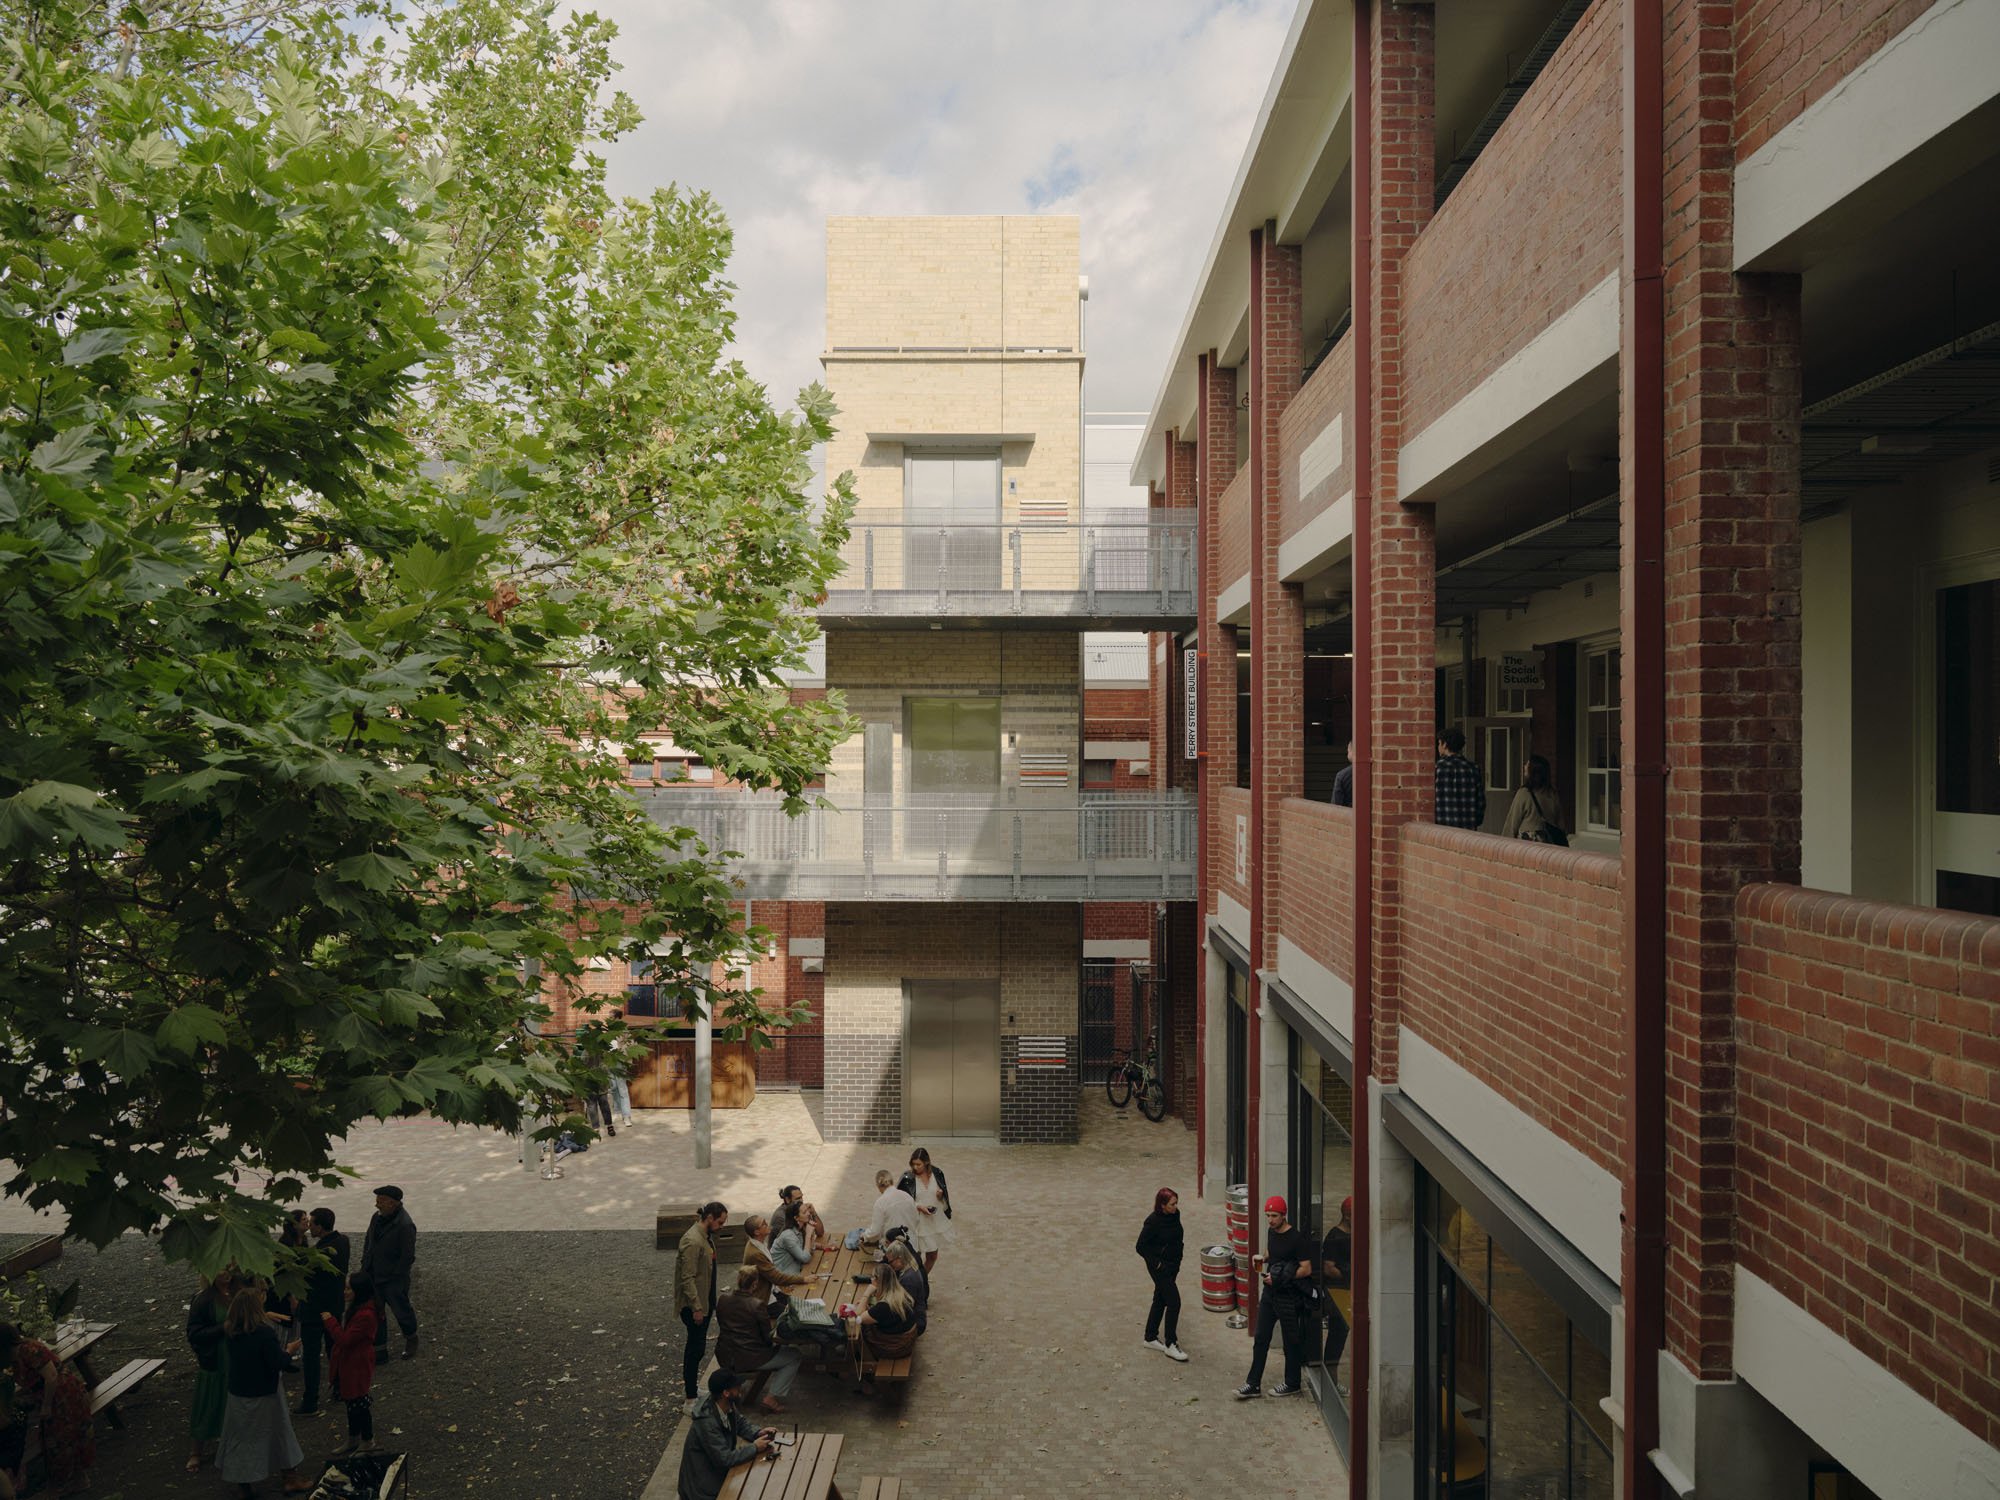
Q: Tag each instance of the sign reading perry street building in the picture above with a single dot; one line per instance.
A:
(1190, 678)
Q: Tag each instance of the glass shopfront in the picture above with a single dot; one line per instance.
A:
(1516, 1387)
(1236, 1100)
(1322, 1179)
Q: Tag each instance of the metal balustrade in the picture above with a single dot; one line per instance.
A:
(1134, 563)
(1043, 846)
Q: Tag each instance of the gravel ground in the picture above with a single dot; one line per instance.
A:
(550, 1368)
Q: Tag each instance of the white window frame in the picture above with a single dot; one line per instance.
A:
(1585, 771)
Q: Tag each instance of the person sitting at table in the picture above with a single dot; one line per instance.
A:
(888, 1325)
(715, 1441)
(58, 1401)
(747, 1336)
(757, 1256)
(895, 1209)
(910, 1271)
(794, 1246)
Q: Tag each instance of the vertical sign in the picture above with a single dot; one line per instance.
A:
(1242, 850)
(1191, 699)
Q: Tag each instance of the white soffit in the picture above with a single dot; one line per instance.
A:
(1890, 1438)
(1558, 374)
(1322, 541)
(1233, 602)
(1852, 148)
(1579, 1199)
(1302, 116)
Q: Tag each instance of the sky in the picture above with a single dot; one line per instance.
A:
(1132, 114)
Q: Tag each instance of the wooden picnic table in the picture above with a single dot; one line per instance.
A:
(835, 1267)
(74, 1343)
(801, 1471)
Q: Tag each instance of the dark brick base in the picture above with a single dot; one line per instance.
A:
(1038, 1104)
(864, 1088)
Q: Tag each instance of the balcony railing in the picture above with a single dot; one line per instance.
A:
(1137, 564)
(1102, 846)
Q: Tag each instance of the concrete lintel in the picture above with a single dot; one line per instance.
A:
(1233, 917)
(1901, 125)
(1323, 541)
(807, 947)
(1562, 370)
(1117, 948)
(1330, 996)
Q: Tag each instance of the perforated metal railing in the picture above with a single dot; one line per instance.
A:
(1101, 846)
(1130, 561)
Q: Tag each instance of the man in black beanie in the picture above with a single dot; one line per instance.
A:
(388, 1254)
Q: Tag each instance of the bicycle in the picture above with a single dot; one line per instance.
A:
(1131, 1075)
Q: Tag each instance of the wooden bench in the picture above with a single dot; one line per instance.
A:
(874, 1487)
(106, 1394)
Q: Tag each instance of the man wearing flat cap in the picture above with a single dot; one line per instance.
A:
(388, 1253)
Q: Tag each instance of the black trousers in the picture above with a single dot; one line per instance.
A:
(1336, 1333)
(312, 1339)
(361, 1418)
(393, 1297)
(1279, 1310)
(695, 1352)
(1167, 1302)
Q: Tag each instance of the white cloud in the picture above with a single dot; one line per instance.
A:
(1130, 113)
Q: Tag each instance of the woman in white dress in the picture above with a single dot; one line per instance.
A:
(926, 1187)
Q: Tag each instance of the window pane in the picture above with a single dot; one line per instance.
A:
(929, 484)
(1589, 1384)
(1968, 699)
(975, 487)
(1528, 1434)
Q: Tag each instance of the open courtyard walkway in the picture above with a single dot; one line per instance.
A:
(551, 1353)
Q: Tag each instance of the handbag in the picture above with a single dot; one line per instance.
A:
(799, 1319)
(1542, 830)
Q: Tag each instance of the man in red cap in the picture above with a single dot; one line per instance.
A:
(1286, 1301)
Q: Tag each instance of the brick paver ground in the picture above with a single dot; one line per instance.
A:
(1032, 1379)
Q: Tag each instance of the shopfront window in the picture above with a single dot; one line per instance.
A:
(1235, 1088)
(1322, 1179)
(1515, 1411)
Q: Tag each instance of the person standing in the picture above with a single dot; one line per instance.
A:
(1461, 790)
(694, 1292)
(925, 1184)
(894, 1209)
(325, 1290)
(257, 1437)
(1336, 1263)
(1287, 1277)
(388, 1256)
(1343, 781)
(619, 1062)
(351, 1354)
(1161, 1244)
(211, 1392)
(716, 1440)
(1536, 812)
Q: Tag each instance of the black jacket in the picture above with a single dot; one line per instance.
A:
(713, 1449)
(204, 1329)
(256, 1359)
(389, 1248)
(323, 1288)
(1161, 1242)
(908, 1183)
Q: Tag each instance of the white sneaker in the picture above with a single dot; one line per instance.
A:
(1156, 1344)
(1174, 1352)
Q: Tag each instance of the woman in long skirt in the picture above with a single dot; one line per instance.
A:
(206, 1314)
(257, 1438)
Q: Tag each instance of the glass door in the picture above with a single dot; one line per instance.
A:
(1964, 732)
(952, 508)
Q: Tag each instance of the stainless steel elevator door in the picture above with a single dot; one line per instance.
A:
(953, 1078)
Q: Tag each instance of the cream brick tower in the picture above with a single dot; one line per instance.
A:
(964, 845)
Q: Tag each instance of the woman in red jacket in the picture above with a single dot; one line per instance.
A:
(351, 1356)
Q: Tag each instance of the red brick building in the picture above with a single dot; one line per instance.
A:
(1616, 383)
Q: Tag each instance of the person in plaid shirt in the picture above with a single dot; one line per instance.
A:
(1461, 790)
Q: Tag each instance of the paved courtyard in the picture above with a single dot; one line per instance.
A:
(1031, 1381)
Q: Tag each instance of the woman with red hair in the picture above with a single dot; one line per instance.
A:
(1160, 1244)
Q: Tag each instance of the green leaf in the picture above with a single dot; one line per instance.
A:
(95, 343)
(70, 452)
(374, 872)
(189, 1026)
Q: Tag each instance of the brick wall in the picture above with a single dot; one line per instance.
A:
(1326, 397)
(1232, 531)
(1314, 867)
(1038, 1103)
(1732, 576)
(1402, 594)
(1868, 1131)
(1790, 53)
(1231, 803)
(1529, 229)
(1511, 965)
(1117, 919)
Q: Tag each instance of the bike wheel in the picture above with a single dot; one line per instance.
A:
(1153, 1099)
(1118, 1085)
